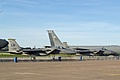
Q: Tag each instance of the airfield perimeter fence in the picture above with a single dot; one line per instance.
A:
(57, 58)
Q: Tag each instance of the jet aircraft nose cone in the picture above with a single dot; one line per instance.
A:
(3, 43)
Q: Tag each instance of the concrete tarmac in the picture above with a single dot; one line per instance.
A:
(63, 70)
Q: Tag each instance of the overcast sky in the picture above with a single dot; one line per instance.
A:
(78, 22)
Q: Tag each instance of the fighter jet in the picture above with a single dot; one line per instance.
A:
(55, 42)
(3, 43)
(14, 48)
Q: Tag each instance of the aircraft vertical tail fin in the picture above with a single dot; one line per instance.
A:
(54, 40)
(65, 45)
(13, 45)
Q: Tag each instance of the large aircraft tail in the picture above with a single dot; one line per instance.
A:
(54, 40)
(13, 46)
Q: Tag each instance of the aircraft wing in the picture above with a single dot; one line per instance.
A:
(39, 51)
